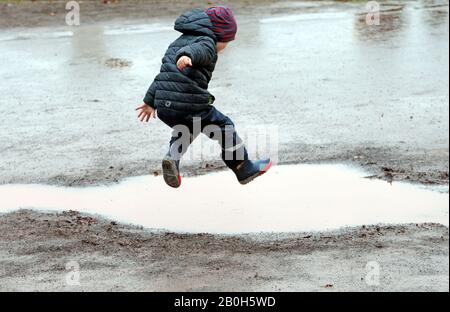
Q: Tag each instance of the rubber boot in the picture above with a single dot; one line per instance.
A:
(171, 171)
(248, 170)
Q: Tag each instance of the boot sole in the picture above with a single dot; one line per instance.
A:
(260, 173)
(170, 173)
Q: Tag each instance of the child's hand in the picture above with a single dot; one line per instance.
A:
(146, 112)
(184, 62)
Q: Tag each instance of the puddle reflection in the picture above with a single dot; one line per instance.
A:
(286, 199)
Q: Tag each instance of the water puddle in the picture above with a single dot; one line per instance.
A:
(305, 17)
(137, 29)
(107, 30)
(286, 199)
(34, 34)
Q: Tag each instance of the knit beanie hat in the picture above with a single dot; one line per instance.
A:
(224, 23)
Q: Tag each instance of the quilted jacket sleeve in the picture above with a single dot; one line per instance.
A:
(202, 52)
(149, 98)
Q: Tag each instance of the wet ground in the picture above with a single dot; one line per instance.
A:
(332, 89)
(38, 252)
(335, 88)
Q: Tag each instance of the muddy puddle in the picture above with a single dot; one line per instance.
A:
(287, 199)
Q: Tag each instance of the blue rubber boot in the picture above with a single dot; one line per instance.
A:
(248, 170)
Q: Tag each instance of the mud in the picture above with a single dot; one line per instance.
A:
(337, 89)
(39, 13)
(35, 249)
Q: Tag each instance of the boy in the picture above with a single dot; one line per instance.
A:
(180, 94)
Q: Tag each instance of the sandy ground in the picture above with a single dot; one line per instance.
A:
(35, 248)
(338, 90)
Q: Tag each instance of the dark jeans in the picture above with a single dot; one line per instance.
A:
(188, 125)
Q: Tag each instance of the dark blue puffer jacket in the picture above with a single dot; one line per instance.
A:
(186, 90)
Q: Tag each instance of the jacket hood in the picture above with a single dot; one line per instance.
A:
(195, 22)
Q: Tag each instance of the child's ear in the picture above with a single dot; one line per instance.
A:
(221, 46)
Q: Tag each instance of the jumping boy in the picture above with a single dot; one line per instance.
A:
(180, 94)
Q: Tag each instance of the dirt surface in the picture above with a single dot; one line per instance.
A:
(35, 248)
(51, 12)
